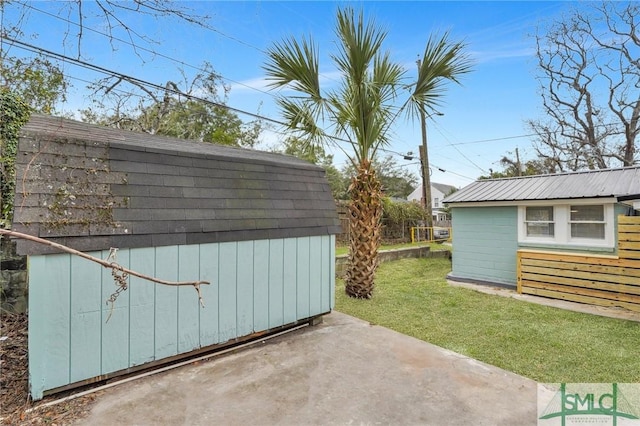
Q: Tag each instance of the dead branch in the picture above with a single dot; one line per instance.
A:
(111, 265)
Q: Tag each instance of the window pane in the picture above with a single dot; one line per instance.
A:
(587, 213)
(587, 230)
(544, 213)
(539, 229)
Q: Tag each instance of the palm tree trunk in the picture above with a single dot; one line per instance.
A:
(365, 214)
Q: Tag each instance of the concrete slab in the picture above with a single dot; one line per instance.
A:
(343, 371)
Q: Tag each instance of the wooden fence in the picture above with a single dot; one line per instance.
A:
(594, 279)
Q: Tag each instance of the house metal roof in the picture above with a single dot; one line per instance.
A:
(623, 183)
(91, 188)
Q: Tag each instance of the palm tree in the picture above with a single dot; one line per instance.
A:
(372, 93)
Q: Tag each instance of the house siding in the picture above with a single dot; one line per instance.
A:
(255, 286)
(485, 241)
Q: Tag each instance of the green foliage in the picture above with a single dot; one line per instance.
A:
(543, 343)
(201, 116)
(317, 155)
(14, 113)
(514, 168)
(398, 212)
(38, 82)
(396, 181)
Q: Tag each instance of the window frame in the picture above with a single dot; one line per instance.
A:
(599, 222)
(552, 222)
(562, 225)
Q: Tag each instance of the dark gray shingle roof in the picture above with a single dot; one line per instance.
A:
(619, 183)
(92, 187)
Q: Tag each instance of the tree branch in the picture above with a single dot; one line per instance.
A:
(105, 263)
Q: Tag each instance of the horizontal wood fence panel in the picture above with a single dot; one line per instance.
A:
(584, 289)
(571, 266)
(581, 299)
(629, 236)
(570, 275)
(255, 286)
(593, 279)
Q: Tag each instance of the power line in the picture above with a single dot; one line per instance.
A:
(153, 52)
(138, 81)
(493, 140)
(87, 65)
(456, 148)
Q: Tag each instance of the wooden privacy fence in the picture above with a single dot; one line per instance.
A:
(594, 279)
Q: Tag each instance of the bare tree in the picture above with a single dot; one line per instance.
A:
(589, 75)
(119, 20)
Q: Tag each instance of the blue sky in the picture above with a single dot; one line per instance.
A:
(493, 102)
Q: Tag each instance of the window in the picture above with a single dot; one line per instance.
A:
(436, 203)
(587, 222)
(581, 224)
(539, 221)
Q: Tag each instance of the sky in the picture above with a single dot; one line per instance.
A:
(482, 119)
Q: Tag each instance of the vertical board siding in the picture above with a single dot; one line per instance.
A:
(38, 332)
(115, 332)
(254, 286)
(303, 277)
(276, 285)
(141, 307)
(58, 318)
(227, 302)
(315, 279)
(166, 314)
(188, 304)
(86, 318)
(290, 263)
(209, 315)
(244, 288)
(261, 285)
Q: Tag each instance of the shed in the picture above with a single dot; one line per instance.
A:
(574, 236)
(260, 227)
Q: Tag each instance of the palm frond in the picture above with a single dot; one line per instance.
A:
(441, 63)
(301, 117)
(296, 64)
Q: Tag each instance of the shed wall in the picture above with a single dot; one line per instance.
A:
(485, 241)
(255, 286)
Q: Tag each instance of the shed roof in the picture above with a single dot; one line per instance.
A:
(92, 187)
(623, 183)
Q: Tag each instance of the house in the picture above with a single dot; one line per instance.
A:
(438, 192)
(537, 233)
(259, 227)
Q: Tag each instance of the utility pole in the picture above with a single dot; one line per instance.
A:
(424, 159)
(426, 178)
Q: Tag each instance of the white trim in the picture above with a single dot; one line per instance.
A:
(562, 226)
(535, 202)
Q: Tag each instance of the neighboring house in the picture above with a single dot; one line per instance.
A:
(438, 192)
(569, 222)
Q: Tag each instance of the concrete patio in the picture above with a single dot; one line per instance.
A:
(343, 371)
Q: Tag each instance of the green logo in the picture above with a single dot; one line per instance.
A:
(591, 403)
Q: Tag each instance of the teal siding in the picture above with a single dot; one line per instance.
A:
(485, 241)
(255, 286)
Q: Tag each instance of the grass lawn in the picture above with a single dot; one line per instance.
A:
(546, 344)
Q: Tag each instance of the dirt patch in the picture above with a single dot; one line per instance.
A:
(14, 382)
